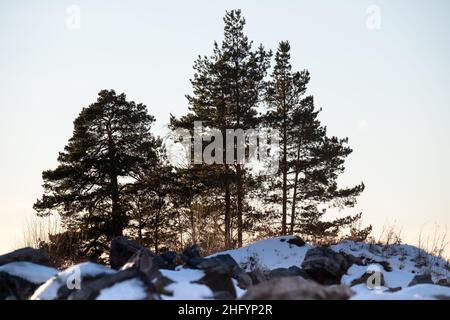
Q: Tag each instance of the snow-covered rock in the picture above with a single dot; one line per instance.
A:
(18, 280)
(69, 277)
(31, 272)
(269, 254)
(398, 264)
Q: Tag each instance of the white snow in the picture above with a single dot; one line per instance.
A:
(132, 289)
(397, 278)
(49, 290)
(417, 292)
(29, 271)
(183, 287)
(269, 254)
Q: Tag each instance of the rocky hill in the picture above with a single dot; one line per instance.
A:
(278, 268)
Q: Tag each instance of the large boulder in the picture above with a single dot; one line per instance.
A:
(167, 260)
(70, 280)
(293, 271)
(220, 270)
(15, 288)
(220, 283)
(37, 256)
(122, 249)
(191, 256)
(225, 264)
(18, 280)
(324, 265)
(296, 288)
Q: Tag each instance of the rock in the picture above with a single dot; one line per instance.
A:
(90, 289)
(140, 266)
(351, 259)
(421, 278)
(69, 280)
(443, 282)
(15, 288)
(225, 264)
(296, 288)
(167, 260)
(191, 256)
(122, 249)
(392, 290)
(37, 256)
(442, 297)
(143, 261)
(257, 276)
(288, 272)
(297, 241)
(148, 272)
(219, 272)
(19, 280)
(324, 265)
(191, 252)
(220, 284)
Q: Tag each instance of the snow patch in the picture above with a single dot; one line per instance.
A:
(269, 254)
(29, 271)
(183, 287)
(132, 289)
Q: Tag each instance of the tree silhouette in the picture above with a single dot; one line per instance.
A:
(111, 143)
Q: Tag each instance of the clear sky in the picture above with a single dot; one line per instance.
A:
(386, 88)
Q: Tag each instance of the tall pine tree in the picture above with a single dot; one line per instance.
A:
(284, 94)
(310, 161)
(111, 142)
(227, 89)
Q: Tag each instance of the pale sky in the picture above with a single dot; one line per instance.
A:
(387, 89)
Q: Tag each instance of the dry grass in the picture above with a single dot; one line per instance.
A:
(436, 243)
(38, 230)
(390, 234)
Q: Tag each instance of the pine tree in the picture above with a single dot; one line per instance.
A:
(151, 205)
(110, 144)
(316, 163)
(284, 93)
(310, 161)
(226, 92)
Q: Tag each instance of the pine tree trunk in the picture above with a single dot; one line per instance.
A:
(294, 203)
(116, 223)
(239, 204)
(156, 233)
(294, 196)
(193, 228)
(227, 211)
(284, 168)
